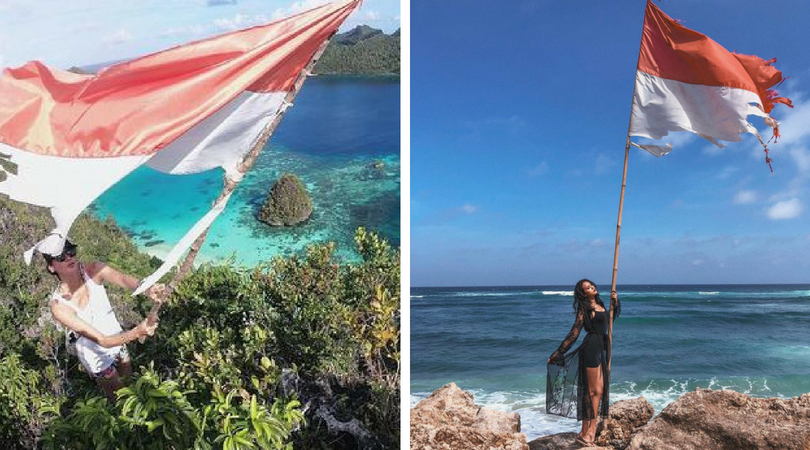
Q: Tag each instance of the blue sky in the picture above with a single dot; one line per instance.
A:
(519, 112)
(81, 32)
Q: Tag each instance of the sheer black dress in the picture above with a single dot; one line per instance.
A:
(567, 392)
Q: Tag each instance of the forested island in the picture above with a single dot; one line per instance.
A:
(300, 351)
(361, 51)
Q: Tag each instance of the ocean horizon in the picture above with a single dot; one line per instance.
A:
(670, 339)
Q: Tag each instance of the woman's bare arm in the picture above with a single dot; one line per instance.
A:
(111, 275)
(67, 317)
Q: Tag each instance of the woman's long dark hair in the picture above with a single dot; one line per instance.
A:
(581, 301)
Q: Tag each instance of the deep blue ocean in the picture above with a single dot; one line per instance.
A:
(670, 339)
(341, 138)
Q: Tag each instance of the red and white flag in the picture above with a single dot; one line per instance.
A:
(65, 138)
(687, 82)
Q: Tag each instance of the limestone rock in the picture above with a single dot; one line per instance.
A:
(624, 417)
(450, 419)
(725, 419)
(559, 441)
(288, 203)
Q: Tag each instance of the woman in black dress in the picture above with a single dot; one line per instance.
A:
(577, 381)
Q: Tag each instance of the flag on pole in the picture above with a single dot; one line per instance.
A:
(65, 138)
(687, 82)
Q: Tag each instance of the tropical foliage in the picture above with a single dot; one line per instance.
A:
(361, 51)
(298, 352)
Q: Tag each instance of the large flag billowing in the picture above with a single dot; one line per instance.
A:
(687, 82)
(65, 138)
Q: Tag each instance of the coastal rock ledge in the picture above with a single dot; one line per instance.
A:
(450, 420)
(728, 420)
(702, 419)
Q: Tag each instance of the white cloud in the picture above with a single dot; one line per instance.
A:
(802, 159)
(195, 30)
(467, 208)
(712, 150)
(540, 169)
(727, 172)
(121, 36)
(745, 197)
(371, 16)
(239, 21)
(697, 262)
(296, 8)
(787, 209)
(793, 126)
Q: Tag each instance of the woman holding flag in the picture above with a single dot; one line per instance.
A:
(81, 304)
(581, 377)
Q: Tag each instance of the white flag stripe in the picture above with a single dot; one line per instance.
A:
(222, 139)
(715, 113)
(65, 185)
(180, 249)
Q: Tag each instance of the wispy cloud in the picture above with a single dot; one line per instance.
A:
(239, 21)
(220, 2)
(727, 172)
(467, 208)
(190, 30)
(372, 16)
(121, 36)
(801, 157)
(604, 163)
(745, 197)
(538, 170)
(787, 209)
(296, 8)
(512, 122)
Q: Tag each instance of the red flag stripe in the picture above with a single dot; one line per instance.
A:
(140, 106)
(672, 51)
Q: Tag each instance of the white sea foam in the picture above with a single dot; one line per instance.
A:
(417, 296)
(564, 293)
(490, 294)
(708, 292)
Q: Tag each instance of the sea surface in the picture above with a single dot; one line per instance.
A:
(341, 138)
(669, 340)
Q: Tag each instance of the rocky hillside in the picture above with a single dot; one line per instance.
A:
(361, 51)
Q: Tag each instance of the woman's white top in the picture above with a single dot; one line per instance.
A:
(99, 314)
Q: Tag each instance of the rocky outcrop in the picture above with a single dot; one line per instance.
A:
(703, 419)
(707, 419)
(614, 433)
(559, 441)
(450, 419)
(288, 203)
(624, 417)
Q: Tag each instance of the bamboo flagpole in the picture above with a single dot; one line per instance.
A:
(621, 209)
(229, 183)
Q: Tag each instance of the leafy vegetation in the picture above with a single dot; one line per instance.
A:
(298, 352)
(361, 51)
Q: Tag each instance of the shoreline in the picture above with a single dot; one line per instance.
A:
(699, 418)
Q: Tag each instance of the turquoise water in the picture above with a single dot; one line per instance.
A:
(668, 341)
(337, 129)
